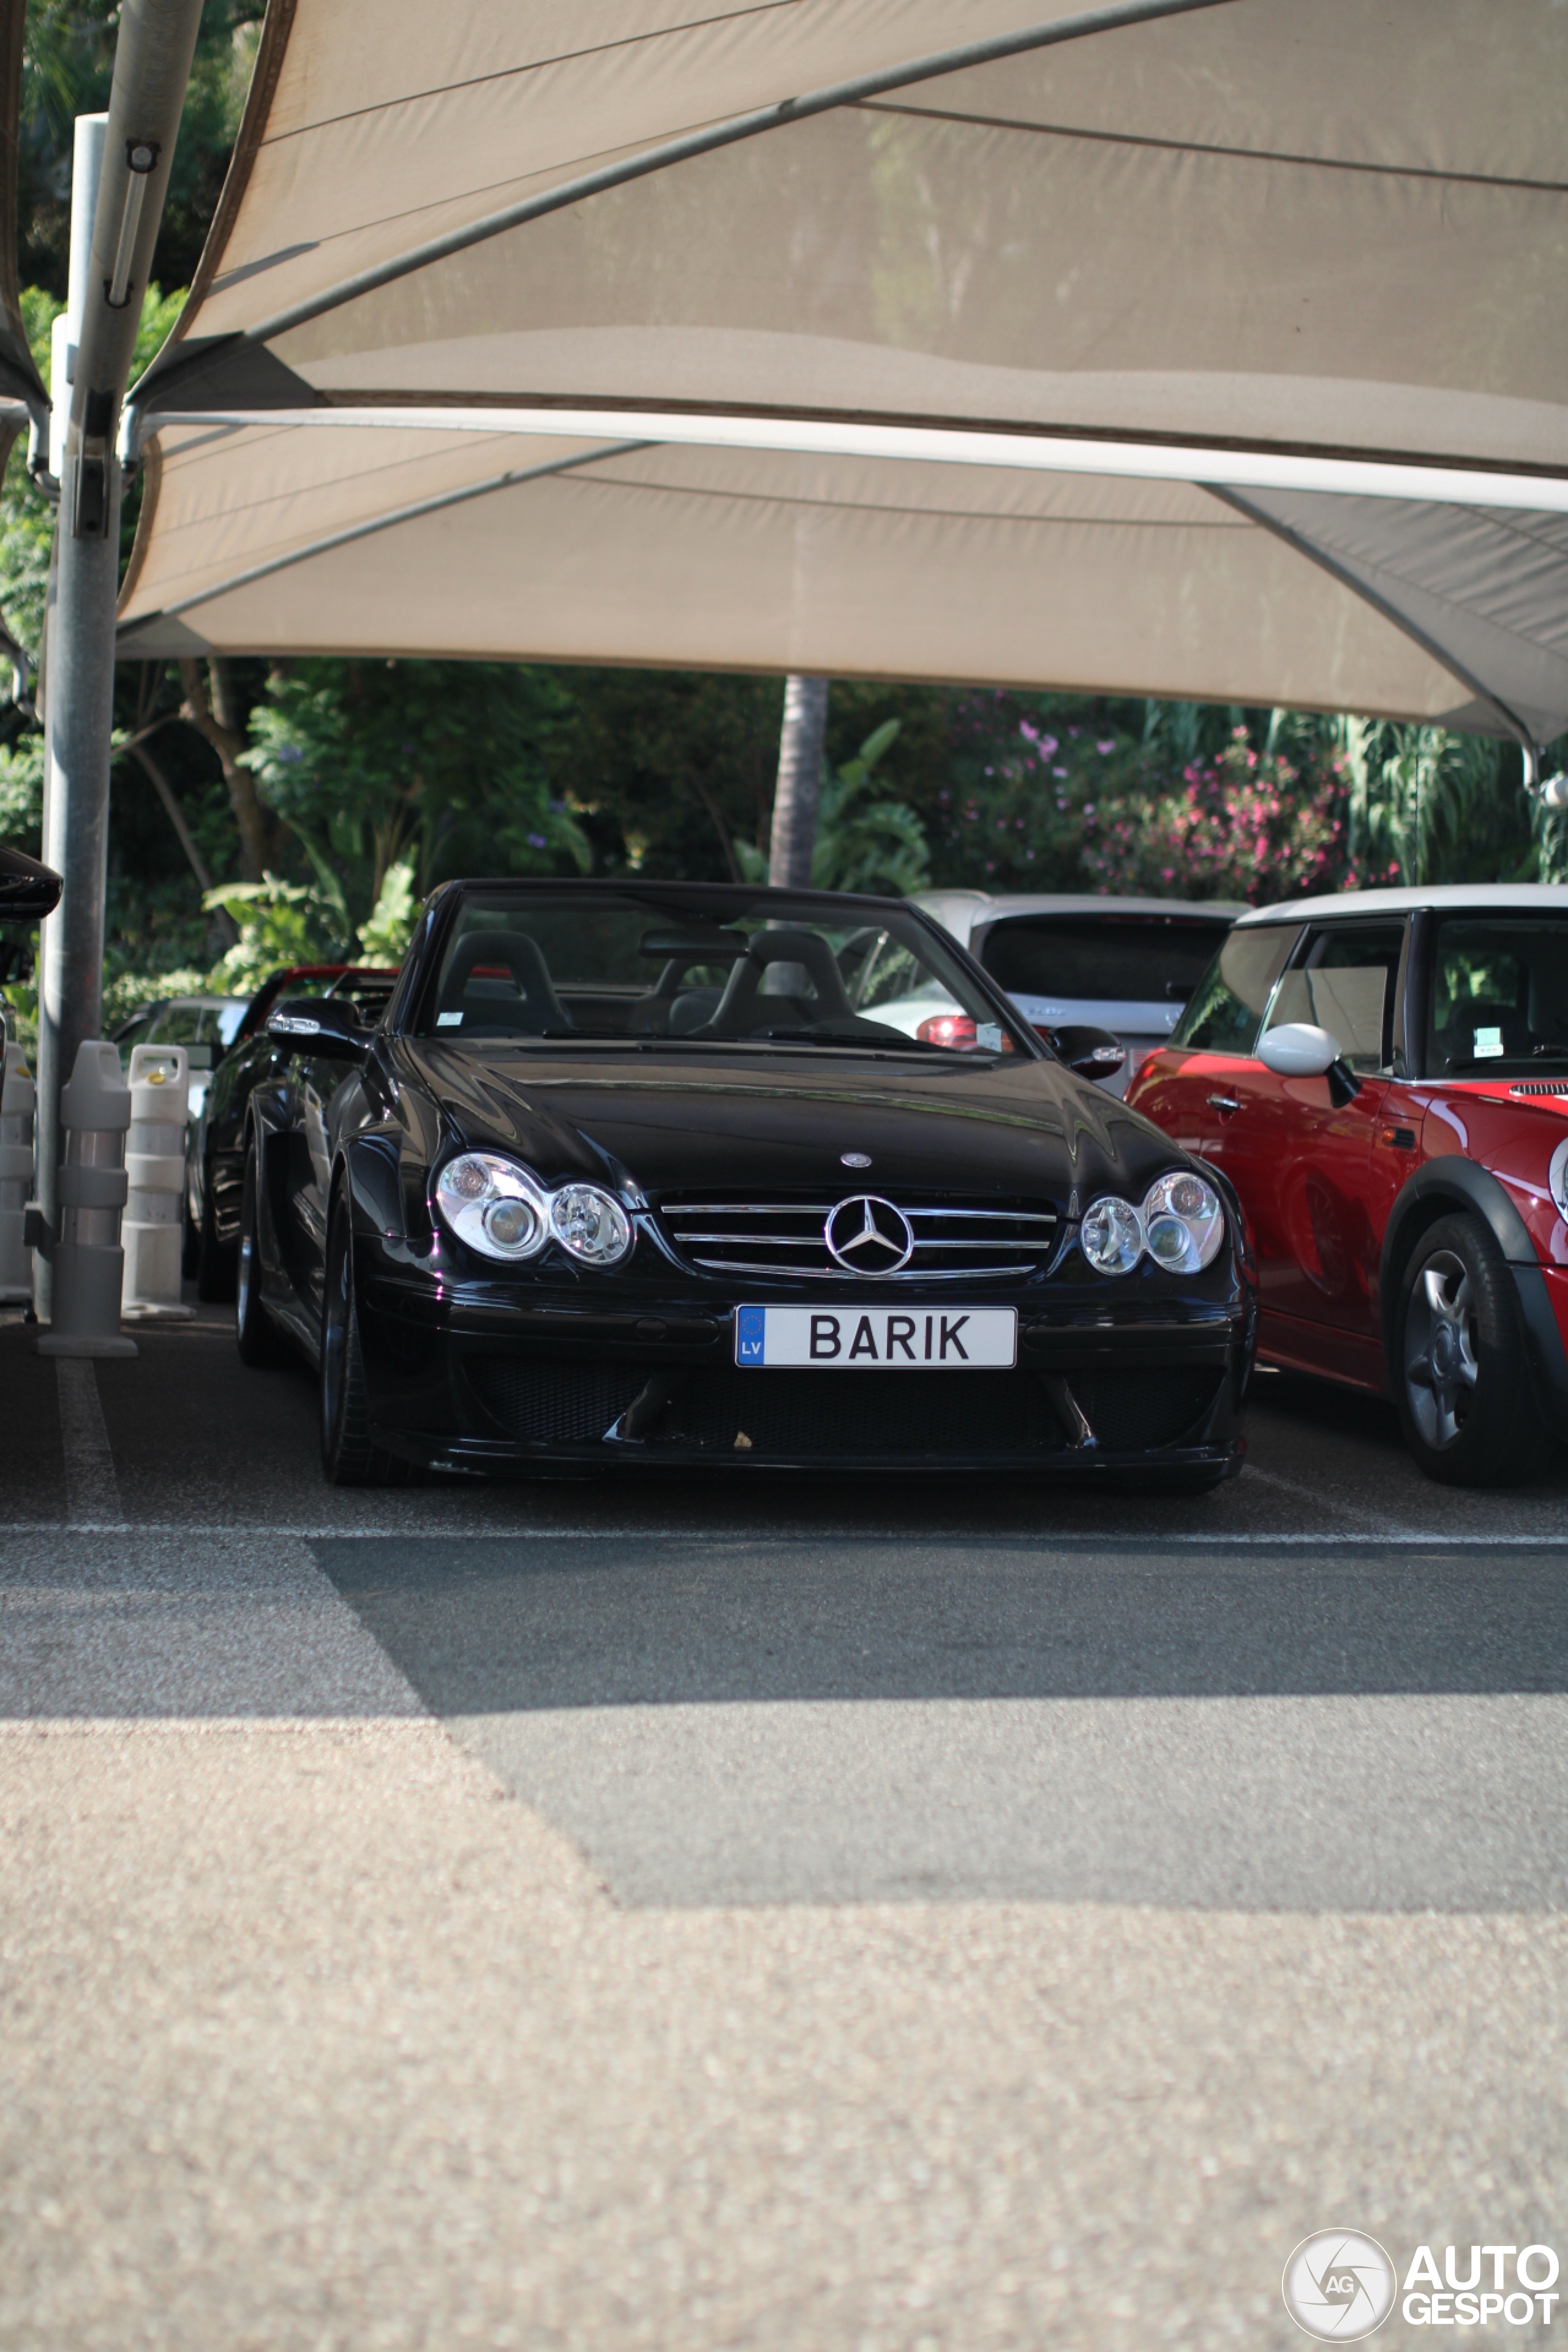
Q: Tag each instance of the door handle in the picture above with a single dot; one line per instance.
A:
(1223, 1103)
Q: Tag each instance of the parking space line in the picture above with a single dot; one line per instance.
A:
(93, 1489)
(1319, 1501)
(1096, 1540)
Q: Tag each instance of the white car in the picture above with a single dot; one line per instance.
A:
(1128, 965)
(204, 1026)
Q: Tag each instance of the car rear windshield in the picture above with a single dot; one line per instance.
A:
(1498, 1000)
(1126, 959)
(719, 968)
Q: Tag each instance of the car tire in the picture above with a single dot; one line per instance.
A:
(348, 1455)
(1462, 1378)
(217, 1269)
(253, 1327)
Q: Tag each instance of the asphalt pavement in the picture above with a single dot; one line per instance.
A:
(756, 1911)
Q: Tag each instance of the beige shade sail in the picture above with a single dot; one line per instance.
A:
(1214, 350)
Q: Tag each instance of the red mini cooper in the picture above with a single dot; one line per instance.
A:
(1384, 1078)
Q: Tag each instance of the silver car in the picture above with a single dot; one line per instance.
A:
(1128, 965)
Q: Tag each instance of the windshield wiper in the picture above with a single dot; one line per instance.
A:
(893, 1041)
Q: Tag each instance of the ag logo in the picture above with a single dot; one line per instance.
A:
(1338, 2286)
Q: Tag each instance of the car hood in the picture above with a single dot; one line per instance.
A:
(671, 1124)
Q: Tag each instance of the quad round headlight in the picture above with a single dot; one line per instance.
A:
(1181, 1224)
(503, 1211)
(1112, 1235)
(590, 1226)
(1183, 1221)
(493, 1205)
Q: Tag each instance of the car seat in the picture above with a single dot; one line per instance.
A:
(500, 982)
(742, 1008)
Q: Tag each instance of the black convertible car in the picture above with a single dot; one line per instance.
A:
(679, 1174)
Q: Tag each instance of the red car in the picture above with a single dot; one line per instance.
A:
(1384, 1078)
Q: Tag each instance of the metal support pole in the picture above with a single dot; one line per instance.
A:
(76, 840)
(70, 959)
(122, 162)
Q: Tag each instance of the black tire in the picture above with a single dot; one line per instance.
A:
(216, 1268)
(1461, 1374)
(348, 1454)
(253, 1327)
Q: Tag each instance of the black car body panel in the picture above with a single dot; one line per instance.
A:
(215, 1163)
(471, 1364)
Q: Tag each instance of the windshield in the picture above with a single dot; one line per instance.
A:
(667, 970)
(1500, 994)
(1125, 958)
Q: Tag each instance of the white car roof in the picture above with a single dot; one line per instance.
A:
(990, 907)
(1485, 897)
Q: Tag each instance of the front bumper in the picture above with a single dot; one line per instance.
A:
(496, 1376)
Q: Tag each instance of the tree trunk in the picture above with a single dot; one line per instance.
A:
(217, 717)
(799, 783)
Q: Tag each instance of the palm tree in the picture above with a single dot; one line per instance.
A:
(799, 787)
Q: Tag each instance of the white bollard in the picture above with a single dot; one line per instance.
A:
(18, 1097)
(152, 1231)
(88, 1264)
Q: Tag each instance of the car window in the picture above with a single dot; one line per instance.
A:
(177, 1024)
(226, 1021)
(1500, 994)
(1136, 959)
(1226, 1008)
(746, 968)
(1344, 982)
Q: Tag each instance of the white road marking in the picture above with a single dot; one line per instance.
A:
(1092, 1539)
(93, 1490)
(1314, 1494)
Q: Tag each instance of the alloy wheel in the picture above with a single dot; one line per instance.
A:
(1440, 1346)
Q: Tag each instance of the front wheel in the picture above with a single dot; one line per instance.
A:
(349, 1457)
(1463, 1386)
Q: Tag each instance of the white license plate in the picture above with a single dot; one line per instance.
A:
(877, 1339)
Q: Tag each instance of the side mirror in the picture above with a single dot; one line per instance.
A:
(1298, 1050)
(318, 1025)
(1088, 1052)
(29, 891)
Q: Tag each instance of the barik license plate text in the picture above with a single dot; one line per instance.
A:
(880, 1338)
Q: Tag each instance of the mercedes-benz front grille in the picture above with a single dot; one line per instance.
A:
(952, 1241)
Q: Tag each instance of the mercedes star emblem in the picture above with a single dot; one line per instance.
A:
(869, 1236)
(854, 1160)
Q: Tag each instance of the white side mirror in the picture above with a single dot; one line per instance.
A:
(1297, 1050)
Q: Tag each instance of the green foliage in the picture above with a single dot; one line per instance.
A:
(1023, 774)
(128, 991)
(665, 770)
(385, 939)
(436, 764)
(68, 60)
(22, 791)
(1429, 806)
(280, 922)
(862, 843)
